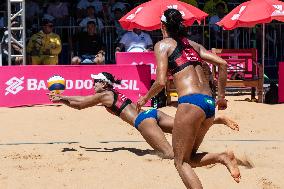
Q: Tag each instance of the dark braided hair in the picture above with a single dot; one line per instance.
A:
(110, 77)
(174, 24)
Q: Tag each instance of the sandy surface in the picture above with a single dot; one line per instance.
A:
(58, 147)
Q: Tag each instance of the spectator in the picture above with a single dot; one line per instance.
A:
(114, 5)
(118, 29)
(215, 29)
(92, 17)
(135, 41)
(84, 4)
(90, 47)
(58, 10)
(220, 13)
(210, 7)
(43, 47)
(15, 50)
(32, 12)
(191, 2)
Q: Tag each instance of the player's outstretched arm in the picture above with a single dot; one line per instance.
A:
(77, 102)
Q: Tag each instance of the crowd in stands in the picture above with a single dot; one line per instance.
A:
(89, 27)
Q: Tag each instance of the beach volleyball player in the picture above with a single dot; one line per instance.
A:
(150, 123)
(196, 106)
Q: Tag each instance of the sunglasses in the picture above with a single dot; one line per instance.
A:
(49, 25)
(98, 81)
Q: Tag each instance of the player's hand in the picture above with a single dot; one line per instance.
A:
(221, 103)
(141, 102)
(53, 97)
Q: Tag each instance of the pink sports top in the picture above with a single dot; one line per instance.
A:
(183, 56)
(119, 103)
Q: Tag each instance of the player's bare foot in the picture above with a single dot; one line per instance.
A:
(229, 160)
(232, 124)
(226, 121)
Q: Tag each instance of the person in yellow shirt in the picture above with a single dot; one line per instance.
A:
(43, 47)
(210, 7)
(191, 2)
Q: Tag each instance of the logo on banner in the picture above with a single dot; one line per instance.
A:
(131, 16)
(278, 10)
(237, 16)
(14, 85)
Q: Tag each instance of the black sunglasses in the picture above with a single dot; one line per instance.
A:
(98, 81)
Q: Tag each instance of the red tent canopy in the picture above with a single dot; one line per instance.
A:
(147, 16)
(253, 12)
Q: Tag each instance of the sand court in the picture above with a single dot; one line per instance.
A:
(59, 147)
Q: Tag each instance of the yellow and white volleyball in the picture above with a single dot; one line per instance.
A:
(56, 83)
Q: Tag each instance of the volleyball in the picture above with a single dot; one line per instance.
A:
(56, 83)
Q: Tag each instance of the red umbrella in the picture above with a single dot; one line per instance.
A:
(253, 12)
(147, 16)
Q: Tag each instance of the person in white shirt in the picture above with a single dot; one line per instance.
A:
(135, 41)
(91, 17)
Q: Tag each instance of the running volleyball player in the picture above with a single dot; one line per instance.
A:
(196, 110)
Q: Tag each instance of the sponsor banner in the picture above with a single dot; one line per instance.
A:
(27, 85)
(281, 82)
(138, 58)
